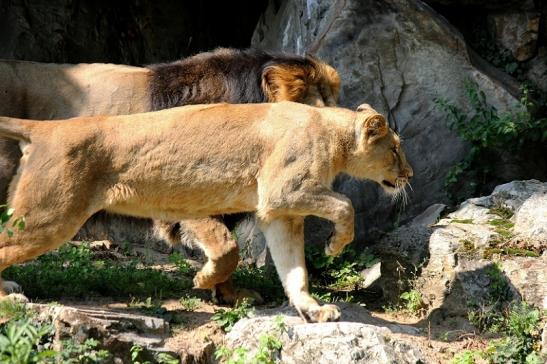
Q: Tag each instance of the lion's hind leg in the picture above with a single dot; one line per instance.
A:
(51, 218)
(220, 247)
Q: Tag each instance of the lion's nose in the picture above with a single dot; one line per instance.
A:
(409, 173)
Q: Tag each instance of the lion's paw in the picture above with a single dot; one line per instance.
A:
(204, 281)
(236, 296)
(336, 243)
(324, 313)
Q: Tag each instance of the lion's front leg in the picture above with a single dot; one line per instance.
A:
(285, 239)
(321, 202)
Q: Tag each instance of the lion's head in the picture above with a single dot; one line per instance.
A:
(378, 154)
(307, 81)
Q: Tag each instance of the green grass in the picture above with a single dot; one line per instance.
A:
(73, 271)
(226, 318)
(12, 310)
(190, 303)
(501, 211)
(462, 221)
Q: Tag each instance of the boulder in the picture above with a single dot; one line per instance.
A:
(334, 342)
(458, 248)
(398, 56)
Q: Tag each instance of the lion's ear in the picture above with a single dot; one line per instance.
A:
(283, 82)
(375, 127)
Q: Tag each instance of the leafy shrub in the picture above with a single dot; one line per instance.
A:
(489, 133)
(341, 273)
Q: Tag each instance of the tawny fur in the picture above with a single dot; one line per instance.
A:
(51, 91)
(197, 161)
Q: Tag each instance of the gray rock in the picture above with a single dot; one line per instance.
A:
(517, 30)
(531, 219)
(455, 272)
(497, 4)
(430, 216)
(398, 56)
(335, 342)
(116, 331)
(529, 277)
(457, 241)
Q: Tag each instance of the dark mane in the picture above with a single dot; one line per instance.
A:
(222, 75)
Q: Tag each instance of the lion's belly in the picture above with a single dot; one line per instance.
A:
(190, 204)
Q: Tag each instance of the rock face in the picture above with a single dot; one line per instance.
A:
(398, 56)
(462, 245)
(517, 31)
(120, 32)
(335, 342)
(531, 218)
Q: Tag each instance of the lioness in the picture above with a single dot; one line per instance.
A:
(196, 161)
(51, 91)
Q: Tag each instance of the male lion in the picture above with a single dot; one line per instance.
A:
(50, 91)
(196, 161)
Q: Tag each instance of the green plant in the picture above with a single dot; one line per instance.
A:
(6, 214)
(489, 133)
(85, 353)
(340, 274)
(268, 348)
(160, 358)
(465, 357)
(12, 310)
(73, 271)
(231, 356)
(135, 353)
(413, 301)
(190, 303)
(20, 343)
(501, 211)
(521, 325)
(462, 221)
(226, 318)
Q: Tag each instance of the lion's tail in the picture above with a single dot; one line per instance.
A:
(17, 129)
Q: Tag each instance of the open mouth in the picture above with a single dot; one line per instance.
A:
(388, 184)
